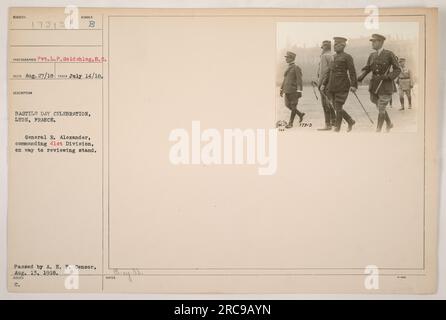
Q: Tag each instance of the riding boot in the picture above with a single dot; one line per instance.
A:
(338, 122)
(292, 116)
(389, 124)
(387, 119)
(300, 115)
(380, 122)
(346, 116)
(332, 117)
(327, 118)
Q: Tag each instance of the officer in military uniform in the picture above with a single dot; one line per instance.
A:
(324, 63)
(405, 83)
(385, 68)
(340, 79)
(292, 88)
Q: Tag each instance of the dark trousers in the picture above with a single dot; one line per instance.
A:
(381, 102)
(338, 99)
(329, 112)
(291, 101)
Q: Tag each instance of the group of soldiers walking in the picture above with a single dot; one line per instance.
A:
(337, 78)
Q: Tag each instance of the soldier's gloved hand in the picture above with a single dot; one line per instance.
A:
(322, 88)
(353, 89)
(299, 94)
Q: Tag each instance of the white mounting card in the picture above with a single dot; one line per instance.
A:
(222, 150)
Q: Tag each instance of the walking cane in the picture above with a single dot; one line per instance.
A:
(328, 99)
(363, 107)
(313, 84)
(381, 82)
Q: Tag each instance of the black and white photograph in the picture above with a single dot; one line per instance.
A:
(348, 77)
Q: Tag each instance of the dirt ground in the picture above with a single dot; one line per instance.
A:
(404, 121)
